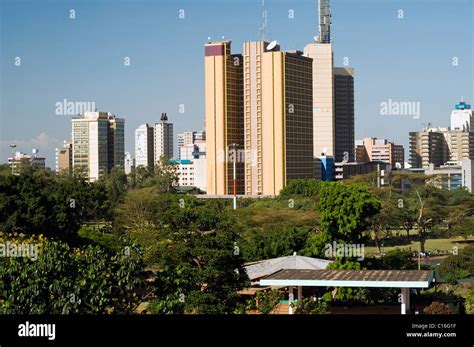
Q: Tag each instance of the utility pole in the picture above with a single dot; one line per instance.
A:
(234, 146)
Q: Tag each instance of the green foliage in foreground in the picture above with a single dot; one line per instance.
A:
(310, 306)
(65, 280)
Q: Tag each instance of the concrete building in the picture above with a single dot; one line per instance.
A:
(428, 147)
(453, 176)
(347, 170)
(189, 137)
(323, 98)
(64, 158)
(191, 144)
(116, 142)
(163, 139)
(344, 127)
(98, 143)
(20, 158)
(374, 149)
(191, 173)
(440, 145)
(144, 146)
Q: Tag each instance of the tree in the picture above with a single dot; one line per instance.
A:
(198, 258)
(307, 188)
(460, 213)
(116, 185)
(458, 266)
(345, 211)
(268, 300)
(71, 280)
(310, 306)
(431, 210)
(405, 215)
(140, 177)
(38, 202)
(273, 242)
(166, 177)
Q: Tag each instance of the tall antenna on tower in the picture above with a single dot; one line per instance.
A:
(264, 27)
(324, 10)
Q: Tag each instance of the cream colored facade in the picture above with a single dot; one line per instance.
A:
(276, 120)
(272, 147)
(224, 117)
(323, 98)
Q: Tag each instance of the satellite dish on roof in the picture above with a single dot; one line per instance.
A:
(316, 38)
(272, 45)
(35, 151)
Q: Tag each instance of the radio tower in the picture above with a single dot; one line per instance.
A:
(264, 27)
(324, 21)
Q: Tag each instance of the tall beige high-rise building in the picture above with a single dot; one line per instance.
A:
(272, 120)
(224, 117)
(97, 143)
(323, 98)
(278, 117)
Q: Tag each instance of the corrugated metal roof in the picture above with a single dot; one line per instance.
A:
(267, 267)
(350, 278)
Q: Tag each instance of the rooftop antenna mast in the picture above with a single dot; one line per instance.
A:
(264, 27)
(324, 9)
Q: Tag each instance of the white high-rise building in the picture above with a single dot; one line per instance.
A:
(163, 139)
(462, 117)
(144, 146)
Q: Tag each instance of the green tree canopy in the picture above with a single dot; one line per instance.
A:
(345, 211)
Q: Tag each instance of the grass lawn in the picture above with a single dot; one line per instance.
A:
(430, 245)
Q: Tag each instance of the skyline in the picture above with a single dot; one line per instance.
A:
(162, 81)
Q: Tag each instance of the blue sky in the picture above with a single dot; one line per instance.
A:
(82, 59)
